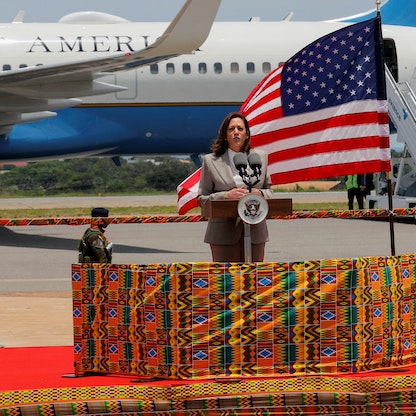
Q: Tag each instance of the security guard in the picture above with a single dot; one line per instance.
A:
(94, 246)
(358, 186)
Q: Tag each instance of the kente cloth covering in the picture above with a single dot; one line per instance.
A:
(394, 395)
(163, 219)
(214, 320)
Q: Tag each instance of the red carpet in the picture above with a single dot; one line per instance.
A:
(43, 367)
(31, 381)
(52, 367)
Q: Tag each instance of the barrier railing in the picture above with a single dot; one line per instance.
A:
(162, 219)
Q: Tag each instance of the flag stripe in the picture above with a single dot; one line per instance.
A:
(187, 192)
(265, 104)
(268, 87)
(336, 131)
(326, 171)
(345, 114)
(321, 149)
(334, 135)
(344, 157)
(186, 206)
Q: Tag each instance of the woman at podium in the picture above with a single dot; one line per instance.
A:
(230, 172)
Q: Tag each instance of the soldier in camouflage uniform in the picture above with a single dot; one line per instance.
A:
(94, 246)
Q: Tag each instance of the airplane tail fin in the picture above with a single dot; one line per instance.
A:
(393, 12)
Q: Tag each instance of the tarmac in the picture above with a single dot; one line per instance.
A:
(35, 281)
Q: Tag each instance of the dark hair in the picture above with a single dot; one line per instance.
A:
(99, 212)
(220, 144)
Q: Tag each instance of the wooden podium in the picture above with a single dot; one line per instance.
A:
(229, 209)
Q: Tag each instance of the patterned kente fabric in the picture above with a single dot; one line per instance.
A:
(164, 219)
(315, 395)
(214, 320)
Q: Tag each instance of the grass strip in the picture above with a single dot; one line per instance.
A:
(147, 210)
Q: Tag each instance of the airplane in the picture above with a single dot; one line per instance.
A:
(146, 94)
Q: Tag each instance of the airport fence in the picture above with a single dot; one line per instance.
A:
(163, 219)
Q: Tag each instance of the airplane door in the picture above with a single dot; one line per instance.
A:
(390, 58)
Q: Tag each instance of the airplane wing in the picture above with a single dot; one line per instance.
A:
(30, 94)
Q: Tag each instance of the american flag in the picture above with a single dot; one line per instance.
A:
(323, 113)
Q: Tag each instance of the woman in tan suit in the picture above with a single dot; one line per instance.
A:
(221, 180)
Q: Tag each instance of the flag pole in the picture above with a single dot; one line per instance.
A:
(389, 186)
(391, 213)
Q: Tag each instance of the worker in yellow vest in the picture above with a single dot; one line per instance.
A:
(357, 187)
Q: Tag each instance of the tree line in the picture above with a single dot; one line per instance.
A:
(95, 176)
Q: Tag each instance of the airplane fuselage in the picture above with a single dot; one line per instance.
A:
(172, 107)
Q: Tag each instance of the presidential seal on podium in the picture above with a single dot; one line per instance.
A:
(252, 208)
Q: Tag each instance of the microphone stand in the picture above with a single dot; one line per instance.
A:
(248, 258)
(247, 179)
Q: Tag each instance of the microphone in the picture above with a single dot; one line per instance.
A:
(255, 164)
(240, 162)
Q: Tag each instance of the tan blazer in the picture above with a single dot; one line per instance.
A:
(216, 179)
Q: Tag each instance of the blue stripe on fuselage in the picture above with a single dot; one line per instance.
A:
(127, 130)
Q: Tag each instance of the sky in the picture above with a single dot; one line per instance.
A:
(165, 10)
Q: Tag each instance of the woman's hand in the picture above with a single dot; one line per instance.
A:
(236, 193)
(256, 191)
